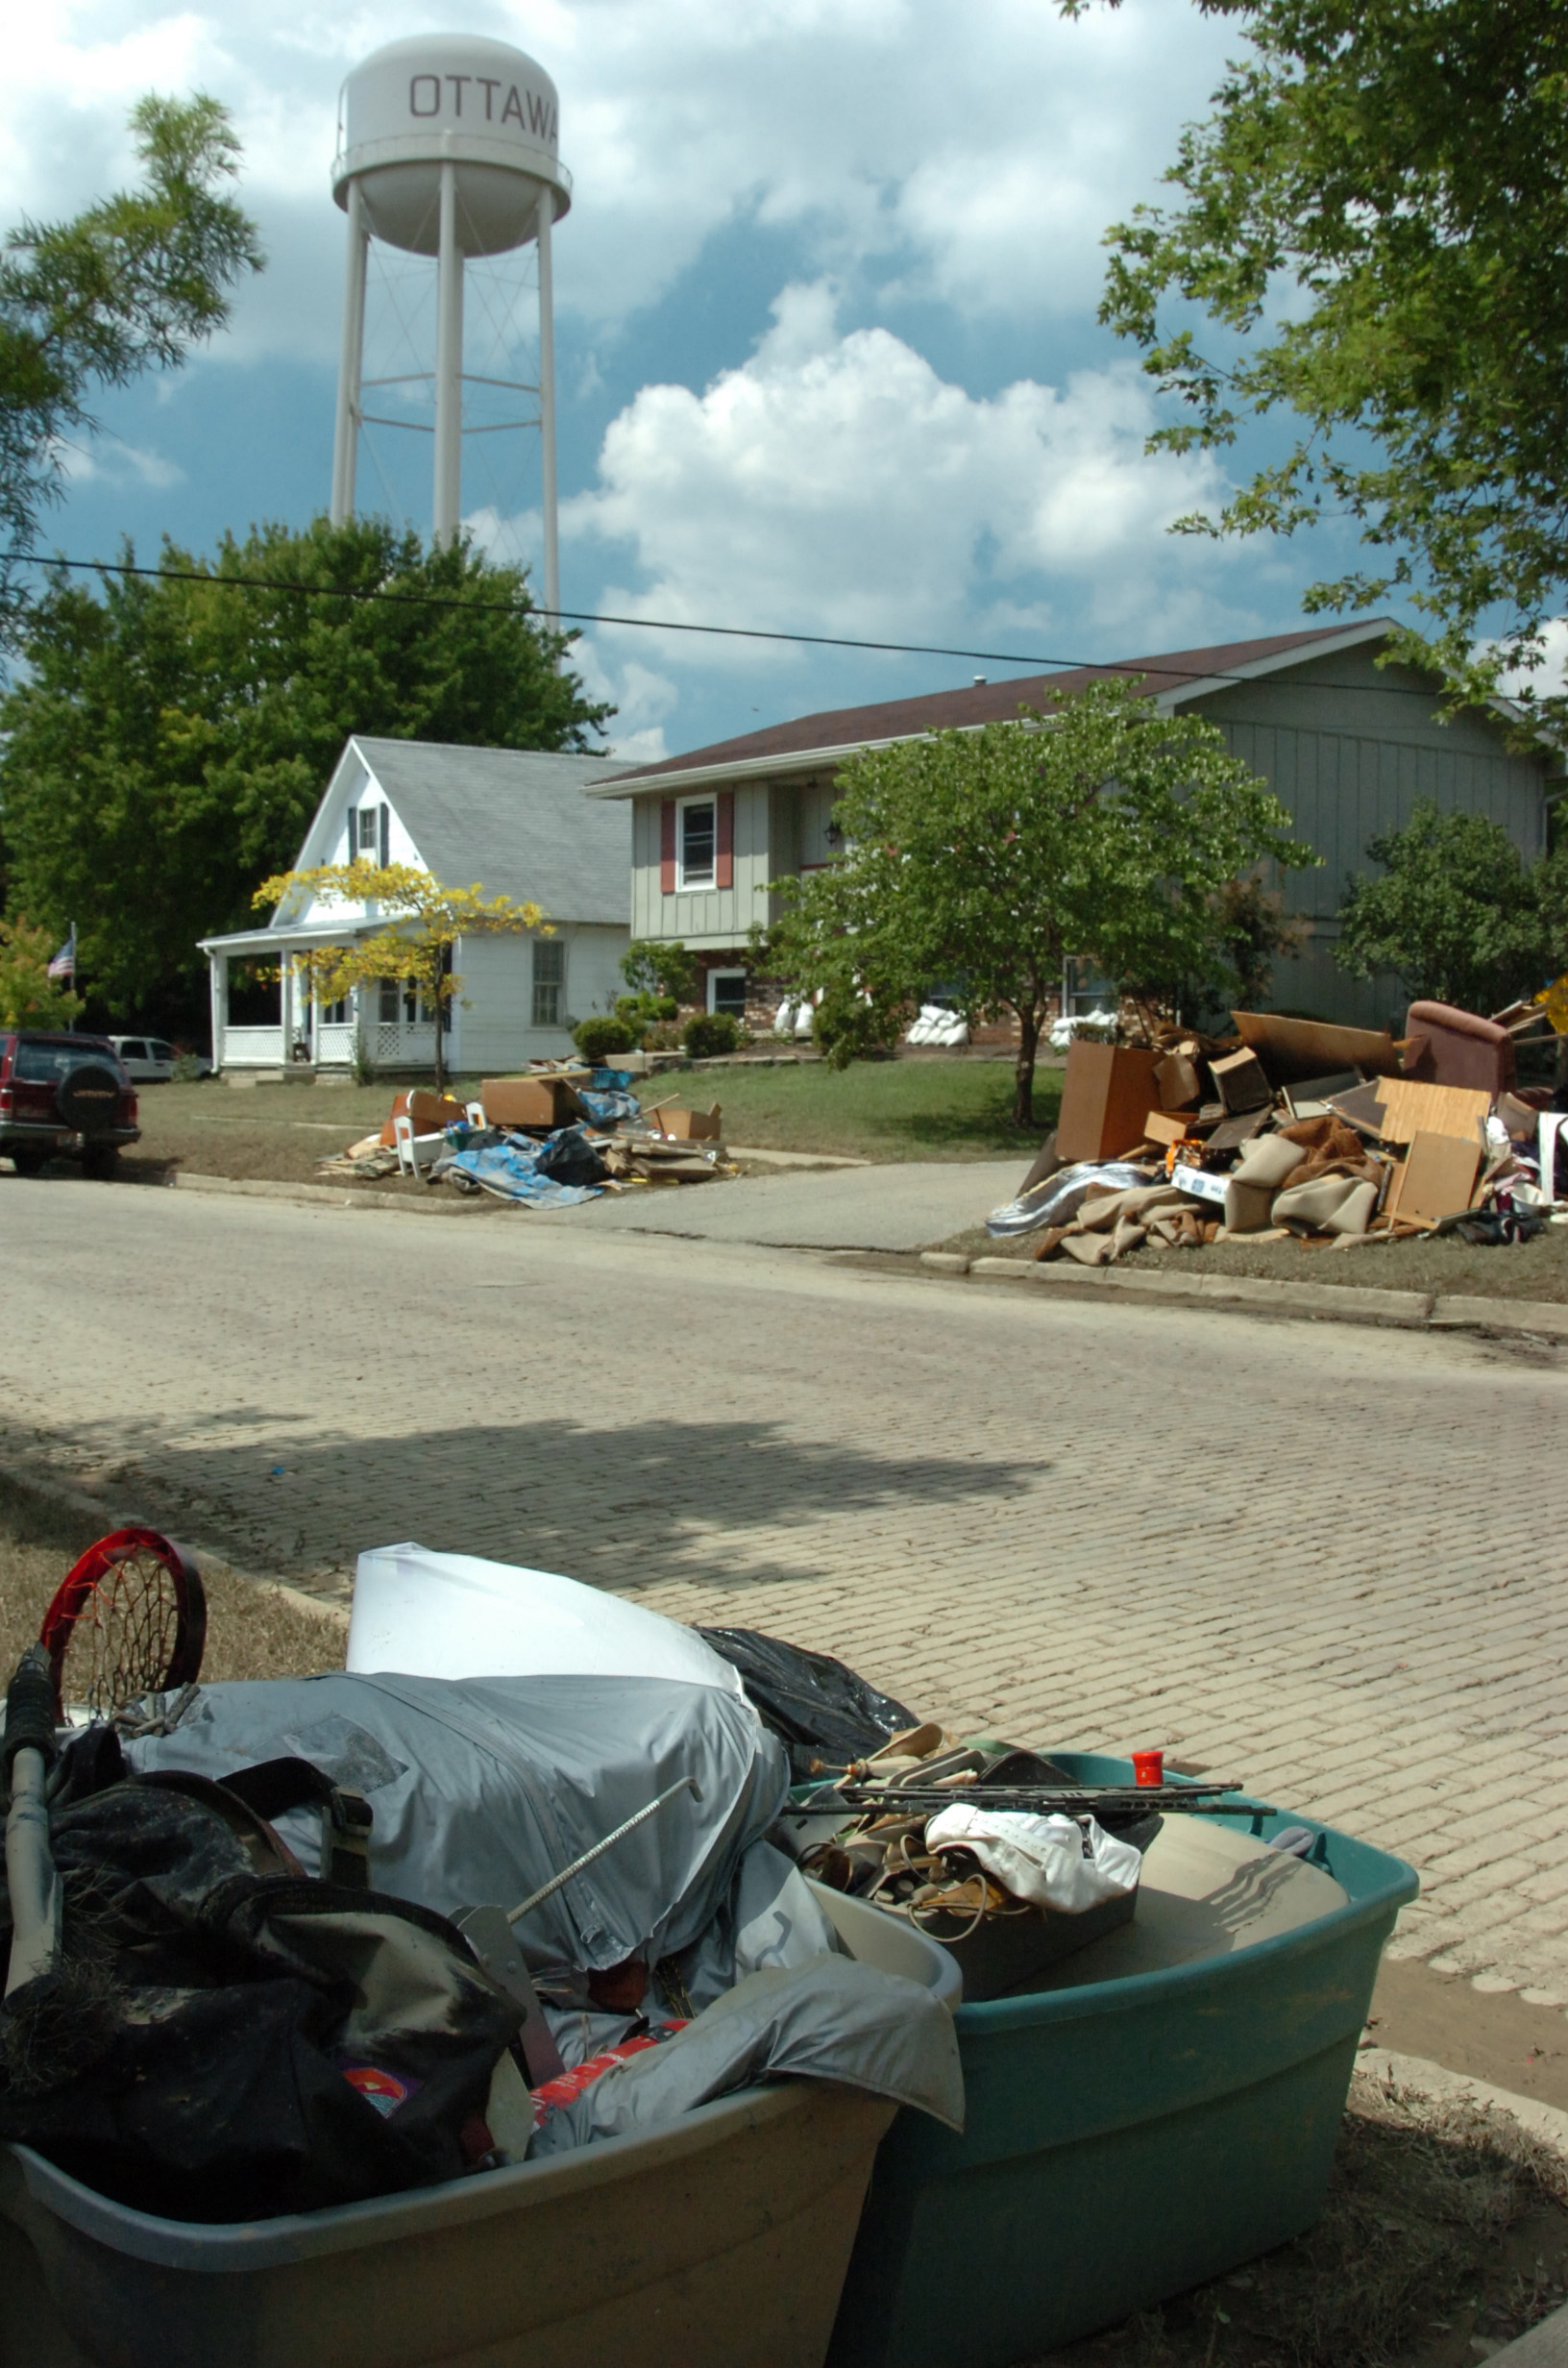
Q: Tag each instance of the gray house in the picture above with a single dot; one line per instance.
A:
(515, 821)
(1348, 747)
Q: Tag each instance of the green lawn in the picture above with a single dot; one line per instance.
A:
(879, 1110)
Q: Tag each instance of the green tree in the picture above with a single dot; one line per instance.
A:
(29, 998)
(984, 859)
(412, 923)
(653, 966)
(174, 733)
(1457, 914)
(1375, 222)
(129, 286)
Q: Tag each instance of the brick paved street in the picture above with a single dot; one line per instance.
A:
(1327, 1559)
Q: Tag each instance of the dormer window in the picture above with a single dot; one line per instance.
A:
(370, 831)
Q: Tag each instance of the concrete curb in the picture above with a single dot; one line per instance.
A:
(1349, 1302)
(117, 1511)
(1545, 2346)
(318, 1196)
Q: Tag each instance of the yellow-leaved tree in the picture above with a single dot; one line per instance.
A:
(29, 998)
(412, 923)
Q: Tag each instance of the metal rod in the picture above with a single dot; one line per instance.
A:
(546, 405)
(345, 449)
(448, 367)
(686, 1784)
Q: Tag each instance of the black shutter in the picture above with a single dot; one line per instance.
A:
(354, 832)
(386, 834)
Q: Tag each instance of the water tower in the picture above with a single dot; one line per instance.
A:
(447, 147)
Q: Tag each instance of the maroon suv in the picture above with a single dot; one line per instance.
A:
(63, 1095)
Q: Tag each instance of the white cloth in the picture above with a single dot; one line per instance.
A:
(1042, 1859)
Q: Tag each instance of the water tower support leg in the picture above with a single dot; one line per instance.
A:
(346, 446)
(448, 367)
(547, 403)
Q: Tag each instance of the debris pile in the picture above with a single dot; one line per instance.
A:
(558, 1135)
(1292, 1127)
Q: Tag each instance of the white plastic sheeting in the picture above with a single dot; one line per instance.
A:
(423, 1614)
(1051, 1861)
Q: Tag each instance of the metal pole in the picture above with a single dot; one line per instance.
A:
(448, 367)
(547, 401)
(346, 448)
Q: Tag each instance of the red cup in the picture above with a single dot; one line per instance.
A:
(1148, 1767)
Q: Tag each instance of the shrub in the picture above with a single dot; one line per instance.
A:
(660, 967)
(601, 1037)
(845, 1028)
(709, 1033)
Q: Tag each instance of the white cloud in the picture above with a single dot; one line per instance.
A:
(837, 485)
(109, 460)
(975, 157)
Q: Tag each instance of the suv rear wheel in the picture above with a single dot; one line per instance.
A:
(28, 1162)
(102, 1162)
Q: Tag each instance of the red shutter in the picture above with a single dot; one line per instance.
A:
(723, 858)
(667, 847)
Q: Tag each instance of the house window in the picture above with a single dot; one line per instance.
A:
(726, 993)
(388, 1010)
(335, 1015)
(698, 842)
(549, 981)
(370, 831)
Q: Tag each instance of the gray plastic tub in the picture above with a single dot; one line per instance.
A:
(724, 2240)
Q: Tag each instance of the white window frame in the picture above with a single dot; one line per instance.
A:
(373, 846)
(683, 884)
(714, 977)
(556, 946)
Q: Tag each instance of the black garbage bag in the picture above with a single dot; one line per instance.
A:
(819, 1708)
(568, 1157)
(227, 2039)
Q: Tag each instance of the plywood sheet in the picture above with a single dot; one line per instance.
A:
(1411, 1108)
(1292, 1048)
(1438, 1179)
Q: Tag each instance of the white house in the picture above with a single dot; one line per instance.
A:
(518, 822)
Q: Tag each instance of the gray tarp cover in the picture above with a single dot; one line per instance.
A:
(829, 2019)
(484, 1788)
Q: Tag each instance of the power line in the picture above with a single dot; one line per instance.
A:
(673, 625)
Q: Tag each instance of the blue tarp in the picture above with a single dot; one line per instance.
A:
(610, 1107)
(510, 1169)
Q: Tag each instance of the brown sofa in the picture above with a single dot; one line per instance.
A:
(1448, 1046)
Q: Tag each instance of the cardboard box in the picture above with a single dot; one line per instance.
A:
(1240, 1083)
(1161, 1126)
(1106, 1095)
(429, 1112)
(672, 1118)
(1177, 1082)
(1204, 1183)
(536, 1103)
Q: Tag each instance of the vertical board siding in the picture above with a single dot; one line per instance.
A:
(709, 916)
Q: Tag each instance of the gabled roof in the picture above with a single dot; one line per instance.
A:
(1172, 677)
(515, 819)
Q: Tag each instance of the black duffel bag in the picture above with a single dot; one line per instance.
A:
(226, 2037)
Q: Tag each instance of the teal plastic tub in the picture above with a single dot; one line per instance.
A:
(1127, 2138)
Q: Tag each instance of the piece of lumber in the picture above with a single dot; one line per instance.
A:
(1409, 1108)
(1295, 1049)
(1438, 1179)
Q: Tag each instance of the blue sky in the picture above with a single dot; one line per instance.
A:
(827, 354)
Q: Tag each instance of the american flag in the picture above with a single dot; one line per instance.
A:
(63, 965)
